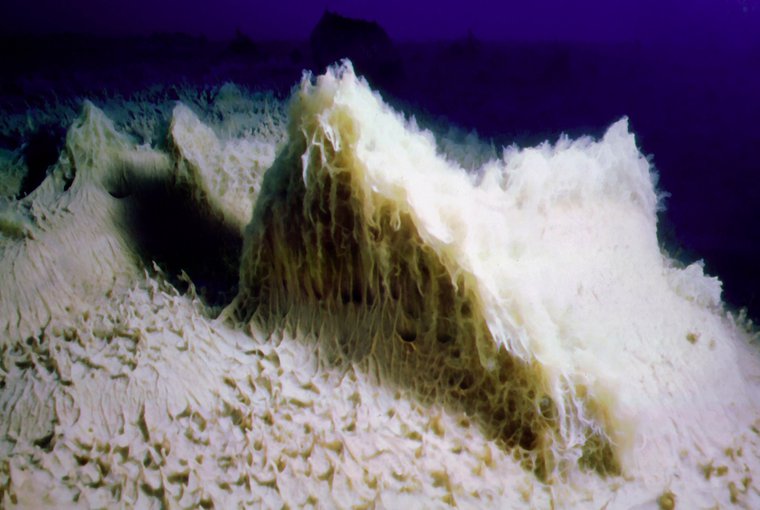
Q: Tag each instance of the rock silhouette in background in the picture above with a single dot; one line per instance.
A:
(365, 43)
(242, 46)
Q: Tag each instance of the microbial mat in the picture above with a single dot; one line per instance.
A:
(235, 301)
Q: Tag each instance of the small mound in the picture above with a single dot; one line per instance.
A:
(108, 208)
(67, 244)
(225, 174)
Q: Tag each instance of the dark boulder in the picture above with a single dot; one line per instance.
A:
(242, 46)
(371, 51)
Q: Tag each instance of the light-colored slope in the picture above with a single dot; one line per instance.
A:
(66, 243)
(148, 404)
